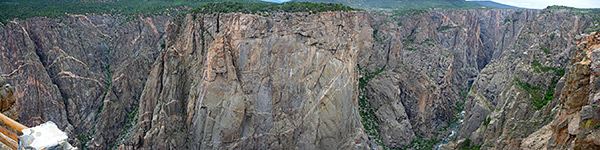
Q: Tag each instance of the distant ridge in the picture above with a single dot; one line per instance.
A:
(402, 4)
(493, 4)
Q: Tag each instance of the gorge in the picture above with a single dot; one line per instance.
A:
(525, 79)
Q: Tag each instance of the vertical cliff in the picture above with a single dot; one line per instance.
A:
(285, 81)
(514, 96)
(349, 80)
(36, 97)
(577, 122)
(83, 72)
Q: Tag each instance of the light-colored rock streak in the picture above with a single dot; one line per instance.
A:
(19, 68)
(308, 114)
(36, 83)
(60, 58)
(68, 74)
(149, 21)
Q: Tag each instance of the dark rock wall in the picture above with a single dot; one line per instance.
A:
(288, 80)
(83, 72)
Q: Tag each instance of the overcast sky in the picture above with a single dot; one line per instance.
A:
(537, 4)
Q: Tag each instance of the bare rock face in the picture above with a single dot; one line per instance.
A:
(298, 80)
(7, 100)
(513, 99)
(577, 123)
(246, 81)
(430, 58)
(83, 72)
(37, 98)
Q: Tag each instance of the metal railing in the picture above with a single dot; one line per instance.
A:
(12, 136)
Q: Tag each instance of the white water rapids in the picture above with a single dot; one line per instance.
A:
(453, 128)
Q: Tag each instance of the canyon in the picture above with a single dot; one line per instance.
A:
(525, 79)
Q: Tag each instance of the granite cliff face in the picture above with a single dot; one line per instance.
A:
(245, 81)
(343, 80)
(7, 100)
(577, 122)
(513, 96)
(431, 58)
(85, 73)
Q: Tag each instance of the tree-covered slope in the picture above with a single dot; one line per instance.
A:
(492, 4)
(403, 4)
(22, 9)
(259, 7)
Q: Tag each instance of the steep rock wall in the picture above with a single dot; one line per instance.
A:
(577, 123)
(85, 73)
(431, 59)
(290, 80)
(285, 81)
(514, 96)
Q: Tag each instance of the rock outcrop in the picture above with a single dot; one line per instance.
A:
(37, 99)
(85, 73)
(7, 100)
(576, 125)
(299, 80)
(430, 59)
(505, 103)
(513, 98)
(245, 81)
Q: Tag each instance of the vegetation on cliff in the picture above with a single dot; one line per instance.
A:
(589, 13)
(23, 9)
(367, 113)
(404, 4)
(256, 7)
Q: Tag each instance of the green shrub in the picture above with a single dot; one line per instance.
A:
(559, 7)
(538, 101)
(422, 144)
(526, 86)
(83, 139)
(486, 121)
(23, 9)
(593, 29)
(537, 66)
(375, 31)
(468, 146)
(546, 50)
(366, 111)
(507, 20)
(444, 28)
